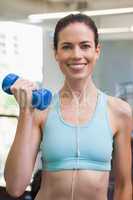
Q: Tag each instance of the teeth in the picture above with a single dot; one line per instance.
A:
(76, 66)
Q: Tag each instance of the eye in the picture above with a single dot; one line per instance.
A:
(85, 46)
(66, 47)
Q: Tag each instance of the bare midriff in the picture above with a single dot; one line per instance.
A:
(74, 185)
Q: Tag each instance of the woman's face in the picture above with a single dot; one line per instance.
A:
(76, 53)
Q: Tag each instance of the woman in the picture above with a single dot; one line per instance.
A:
(77, 132)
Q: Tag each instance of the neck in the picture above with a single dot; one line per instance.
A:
(80, 89)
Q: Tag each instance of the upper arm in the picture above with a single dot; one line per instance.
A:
(39, 121)
(24, 149)
(122, 145)
(36, 138)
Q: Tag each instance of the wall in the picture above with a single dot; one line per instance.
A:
(52, 77)
(115, 64)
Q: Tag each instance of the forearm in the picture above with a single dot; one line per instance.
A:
(123, 193)
(19, 164)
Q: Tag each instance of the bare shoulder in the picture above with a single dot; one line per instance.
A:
(121, 111)
(120, 107)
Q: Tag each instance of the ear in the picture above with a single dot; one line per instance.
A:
(98, 48)
(56, 55)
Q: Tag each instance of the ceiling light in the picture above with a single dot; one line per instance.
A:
(114, 30)
(109, 11)
(44, 16)
(50, 15)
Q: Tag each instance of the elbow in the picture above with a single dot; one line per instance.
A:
(14, 191)
(15, 187)
(123, 189)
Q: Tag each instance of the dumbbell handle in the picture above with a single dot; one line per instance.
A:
(40, 98)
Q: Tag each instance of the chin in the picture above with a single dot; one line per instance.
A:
(79, 76)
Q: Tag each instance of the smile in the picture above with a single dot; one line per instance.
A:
(77, 66)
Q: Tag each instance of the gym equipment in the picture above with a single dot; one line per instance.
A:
(41, 98)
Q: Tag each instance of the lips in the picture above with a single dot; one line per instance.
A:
(77, 66)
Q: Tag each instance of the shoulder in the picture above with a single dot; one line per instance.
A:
(121, 111)
(119, 107)
(41, 115)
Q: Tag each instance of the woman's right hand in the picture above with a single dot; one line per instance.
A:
(22, 91)
(26, 141)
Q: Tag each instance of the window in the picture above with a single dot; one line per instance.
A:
(21, 53)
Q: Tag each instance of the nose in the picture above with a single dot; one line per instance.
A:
(76, 53)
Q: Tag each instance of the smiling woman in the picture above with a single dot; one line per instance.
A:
(77, 56)
(77, 133)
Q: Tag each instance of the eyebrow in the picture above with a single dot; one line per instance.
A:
(66, 43)
(85, 42)
(69, 43)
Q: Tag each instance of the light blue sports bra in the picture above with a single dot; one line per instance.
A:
(95, 140)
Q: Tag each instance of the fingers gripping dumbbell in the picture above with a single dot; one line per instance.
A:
(41, 98)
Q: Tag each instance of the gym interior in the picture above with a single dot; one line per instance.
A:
(26, 36)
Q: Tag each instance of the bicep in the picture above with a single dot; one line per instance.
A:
(36, 138)
(37, 131)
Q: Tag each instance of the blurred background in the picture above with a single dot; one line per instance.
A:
(26, 48)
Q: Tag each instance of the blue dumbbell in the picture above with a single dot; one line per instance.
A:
(40, 98)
